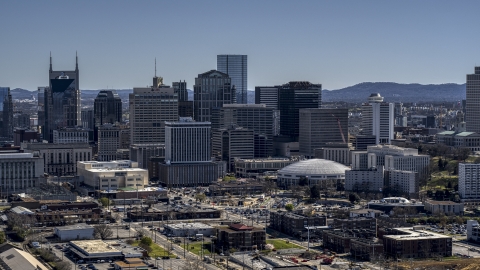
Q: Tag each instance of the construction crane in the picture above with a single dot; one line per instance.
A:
(340, 127)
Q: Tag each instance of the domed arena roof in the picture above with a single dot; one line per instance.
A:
(314, 167)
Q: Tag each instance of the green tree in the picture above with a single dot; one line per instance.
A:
(353, 197)
(440, 164)
(2, 237)
(105, 201)
(146, 240)
(315, 192)
(289, 207)
(201, 197)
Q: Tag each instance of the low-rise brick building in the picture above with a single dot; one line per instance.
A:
(240, 237)
(339, 240)
(294, 224)
(417, 243)
(355, 223)
(366, 249)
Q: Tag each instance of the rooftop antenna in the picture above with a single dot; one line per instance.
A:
(155, 67)
(50, 61)
(76, 60)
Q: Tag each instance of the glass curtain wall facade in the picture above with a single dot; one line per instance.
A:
(236, 68)
(292, 97)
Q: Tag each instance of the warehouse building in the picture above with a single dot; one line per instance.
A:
(79, 231)
(189, 229)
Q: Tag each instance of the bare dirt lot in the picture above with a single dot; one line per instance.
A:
(457, 264)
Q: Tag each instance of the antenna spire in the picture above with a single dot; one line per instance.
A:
(50, 61)
(76, 60)
(155, 67)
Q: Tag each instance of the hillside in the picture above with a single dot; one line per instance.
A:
(393, 92)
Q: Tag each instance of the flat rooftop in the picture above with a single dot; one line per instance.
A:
(443, 203)
(79, 226)
(95, 247)
(411, 234)
(197, 225)
(365, 211)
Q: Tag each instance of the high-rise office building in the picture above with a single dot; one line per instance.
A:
(88, 119)
(232, 142)
(321, 126)
(212, 89)
(41, 91)
(6, 113)
(256, 117)
(377, 119)
(292, 97)
(185, 107)
(187, 141)
(181, 90)
(62, 107)
(108, 142)
(236, 67)
(267, 95)
(107, 108)
(472, 106)
(150, 108)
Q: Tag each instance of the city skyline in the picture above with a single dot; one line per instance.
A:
(337, 44)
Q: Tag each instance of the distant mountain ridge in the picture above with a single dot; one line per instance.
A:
(393, 92)
(396, 92)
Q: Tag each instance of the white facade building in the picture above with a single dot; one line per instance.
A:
(473, 230)
(70, 135)
(189, 229)
(469, 180)
(187, 141)
(444, 207)
(79, 231)
(363, 180)
(60, 159)
(378, 119)
(404, 181)
(398, 158)
(19, 171)
(112, 175)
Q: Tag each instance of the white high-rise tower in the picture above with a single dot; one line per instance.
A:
(377, 119)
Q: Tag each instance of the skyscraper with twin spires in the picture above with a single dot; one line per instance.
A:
(62, 105)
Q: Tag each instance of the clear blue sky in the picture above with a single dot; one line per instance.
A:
(335, 43)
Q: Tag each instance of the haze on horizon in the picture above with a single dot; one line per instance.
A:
(335, 43)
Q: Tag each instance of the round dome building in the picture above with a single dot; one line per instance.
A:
(322, 172)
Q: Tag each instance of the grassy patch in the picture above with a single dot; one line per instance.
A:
(196, 248)
(282, 244)
(440, 180)
(157, 251)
